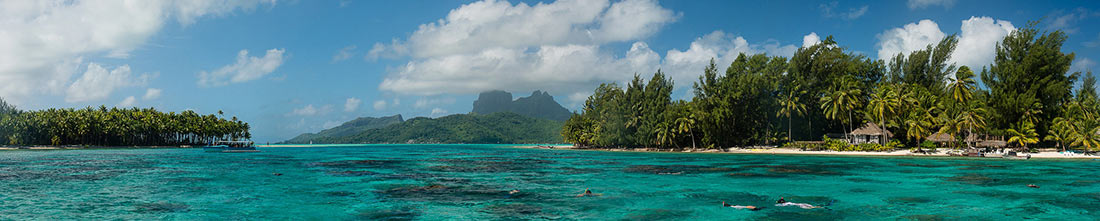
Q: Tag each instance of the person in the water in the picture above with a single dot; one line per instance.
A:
(587, 193)
(753, 208)
(783, 202)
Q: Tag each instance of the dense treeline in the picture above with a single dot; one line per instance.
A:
(1026, 97)
(114, 127)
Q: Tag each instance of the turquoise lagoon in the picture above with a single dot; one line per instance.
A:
(460, 182)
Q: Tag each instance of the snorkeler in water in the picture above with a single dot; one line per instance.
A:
(588, 193)
(753, 208)
(783, 202)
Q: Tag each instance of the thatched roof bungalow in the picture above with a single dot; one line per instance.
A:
(869, 133)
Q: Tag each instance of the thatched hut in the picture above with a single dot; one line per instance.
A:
(869, 133)
(941, 138)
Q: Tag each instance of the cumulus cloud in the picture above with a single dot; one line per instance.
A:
(810, 40)
(911, 37)
(344, 54)
(352, 104)
(978, 41)
(558, 47)
(45, 42)
(246, 68)
(474, 27)
(976, 47)
(920, 4)
(828, 10)
(685, 65)
(98, 83)
(151, 93)
(128, 102)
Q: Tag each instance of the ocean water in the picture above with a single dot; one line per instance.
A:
(462, 182)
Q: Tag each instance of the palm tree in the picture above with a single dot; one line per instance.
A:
(1023, 134)
(789, 104)
(1085, 134)
(1060, 132)
(1032, 113)
(884, 102)
(972, 119)
(963, 84)
(685, 123)
(665, 134)
(842, 100)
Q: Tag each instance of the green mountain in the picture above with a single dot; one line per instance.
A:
(349, 128)
(539, 105)
(502, 127)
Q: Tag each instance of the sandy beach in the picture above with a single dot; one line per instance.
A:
(1042, 154)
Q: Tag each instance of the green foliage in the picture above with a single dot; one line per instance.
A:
(1028, 79)
(824, 89)
(353, 127)
(115, 127)
(501, 127)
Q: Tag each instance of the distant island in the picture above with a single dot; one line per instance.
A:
(116, 127)
(495, 118)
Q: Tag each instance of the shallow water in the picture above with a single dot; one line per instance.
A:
(432, 182)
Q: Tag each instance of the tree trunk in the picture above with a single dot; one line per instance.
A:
(789, 129)
(692, 139)
(882, 119)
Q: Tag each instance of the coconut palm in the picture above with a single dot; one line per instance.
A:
(971, 119)
(884, 102)
(1060, 132)
(842, 100)
(1023, 134)
(789, 105)
(963, 84)
(684, 124)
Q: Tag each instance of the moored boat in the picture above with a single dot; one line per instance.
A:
(231, 147)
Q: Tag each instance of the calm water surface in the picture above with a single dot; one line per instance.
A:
(457, 182)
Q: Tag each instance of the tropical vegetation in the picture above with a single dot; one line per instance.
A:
(1025, 97)
(115, 127)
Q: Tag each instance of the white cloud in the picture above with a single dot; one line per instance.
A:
(920, 4)
(827, 9)
(426, 102)
(810, 40)
(1067, 21)
(976, 47)
(685, 66)
(474, 27)
(128, 102)
(151, 93)
(911, 37)
(245, 69)
(379, 105)
(439, 112)
(45, 42)
(310, 110)
(978, 41)
(352, 104)
(1082, 65)
(556, 47)
(98, 83)
(344, 54)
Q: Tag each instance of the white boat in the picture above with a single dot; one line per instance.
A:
(231, 147)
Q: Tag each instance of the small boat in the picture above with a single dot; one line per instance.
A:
(231, 147)
(1013, 156)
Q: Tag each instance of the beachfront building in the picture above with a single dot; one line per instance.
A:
(869, 133)
(941, 139)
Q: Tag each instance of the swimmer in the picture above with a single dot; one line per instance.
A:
(782, 202)
(587, 193)
(753, 208)
(1032, 186)
(513, 192)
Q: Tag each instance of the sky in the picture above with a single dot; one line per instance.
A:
(289, 67)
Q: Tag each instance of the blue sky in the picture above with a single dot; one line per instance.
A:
(289, 67)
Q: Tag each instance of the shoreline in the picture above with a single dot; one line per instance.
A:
(792, 151)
